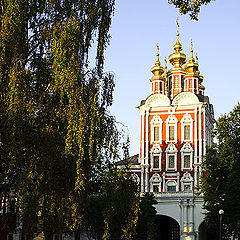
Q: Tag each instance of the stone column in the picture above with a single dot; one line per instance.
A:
(142, 178)
(146, 179)
(185, 217)
(191, 216)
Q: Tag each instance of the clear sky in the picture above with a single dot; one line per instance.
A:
(138, 25)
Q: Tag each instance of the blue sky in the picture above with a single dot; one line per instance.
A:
(138, 25)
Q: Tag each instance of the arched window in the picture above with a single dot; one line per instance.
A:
(171, 127)
(171, 157)
(135, 178)
(187, 182)
(155, 183)
(171, 186)
(186, 157)
(156, 129)
(156, 156)
(187, 128)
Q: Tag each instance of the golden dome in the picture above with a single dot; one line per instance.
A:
(157, 70)
(177, 59)
(192, 66)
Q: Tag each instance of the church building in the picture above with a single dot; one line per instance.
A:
(176, 121)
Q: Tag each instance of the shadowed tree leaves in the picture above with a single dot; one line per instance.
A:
(221, 184)
(57, 136)
(191, 7)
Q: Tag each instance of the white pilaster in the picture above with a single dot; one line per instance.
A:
(147, 137)
(142, 179)
(200, 134)
(146, 179)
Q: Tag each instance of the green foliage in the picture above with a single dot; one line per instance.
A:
(189, 6)
(57, 138)
(220, 186)
(146, 227)
(113, 213)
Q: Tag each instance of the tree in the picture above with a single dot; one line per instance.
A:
(146, 226)
(220, 186)
(189, 6)
(56, 134)
(113, 213)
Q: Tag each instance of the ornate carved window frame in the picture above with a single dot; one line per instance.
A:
(186, 121)
(171, 151)
(186, 180)
(156, 151)
(171, 121)
(186, 150)
(155, 180)
(156, 122)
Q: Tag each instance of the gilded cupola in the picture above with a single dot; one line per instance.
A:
(192, 67)
(157, 70)
(177, 59)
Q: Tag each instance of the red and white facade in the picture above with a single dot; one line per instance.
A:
(176, 121)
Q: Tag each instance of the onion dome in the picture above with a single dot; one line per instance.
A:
(192, 67)
(157, 70)
(177, 59)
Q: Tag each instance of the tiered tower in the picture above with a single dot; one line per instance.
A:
(175, 128)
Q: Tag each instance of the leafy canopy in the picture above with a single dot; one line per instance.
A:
(189, 6)
(57, 137)
(221, 186)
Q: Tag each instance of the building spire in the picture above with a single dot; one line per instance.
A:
(157, 70)
(177, 59)
(157, 63)
(191, 59)
(178, 46)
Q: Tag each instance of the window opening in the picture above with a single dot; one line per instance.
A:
(156, 133)
(155, 161)
(155, 188)
(171, 161)
(186, 132)
(171, 133)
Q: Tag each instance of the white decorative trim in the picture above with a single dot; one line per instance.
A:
(185, 98)
(172, 182)
(157, 100)
(135, 178)
(171, 151)
(156, 122)
(186, 180)
(171, 121)
(171, 148)
(156, 151)
(187, 120)
(155, 180)
(186, 150)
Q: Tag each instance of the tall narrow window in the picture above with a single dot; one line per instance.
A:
(186, 161)
(186, 157)
(171, 133)
(156, 129)
(171, 162)
(186, 132)
(187, 128)
(171, 127)
(156, 134)
(156, 153)
(171, 157)
(155, 161)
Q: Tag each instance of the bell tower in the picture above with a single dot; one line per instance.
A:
(176, 121)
